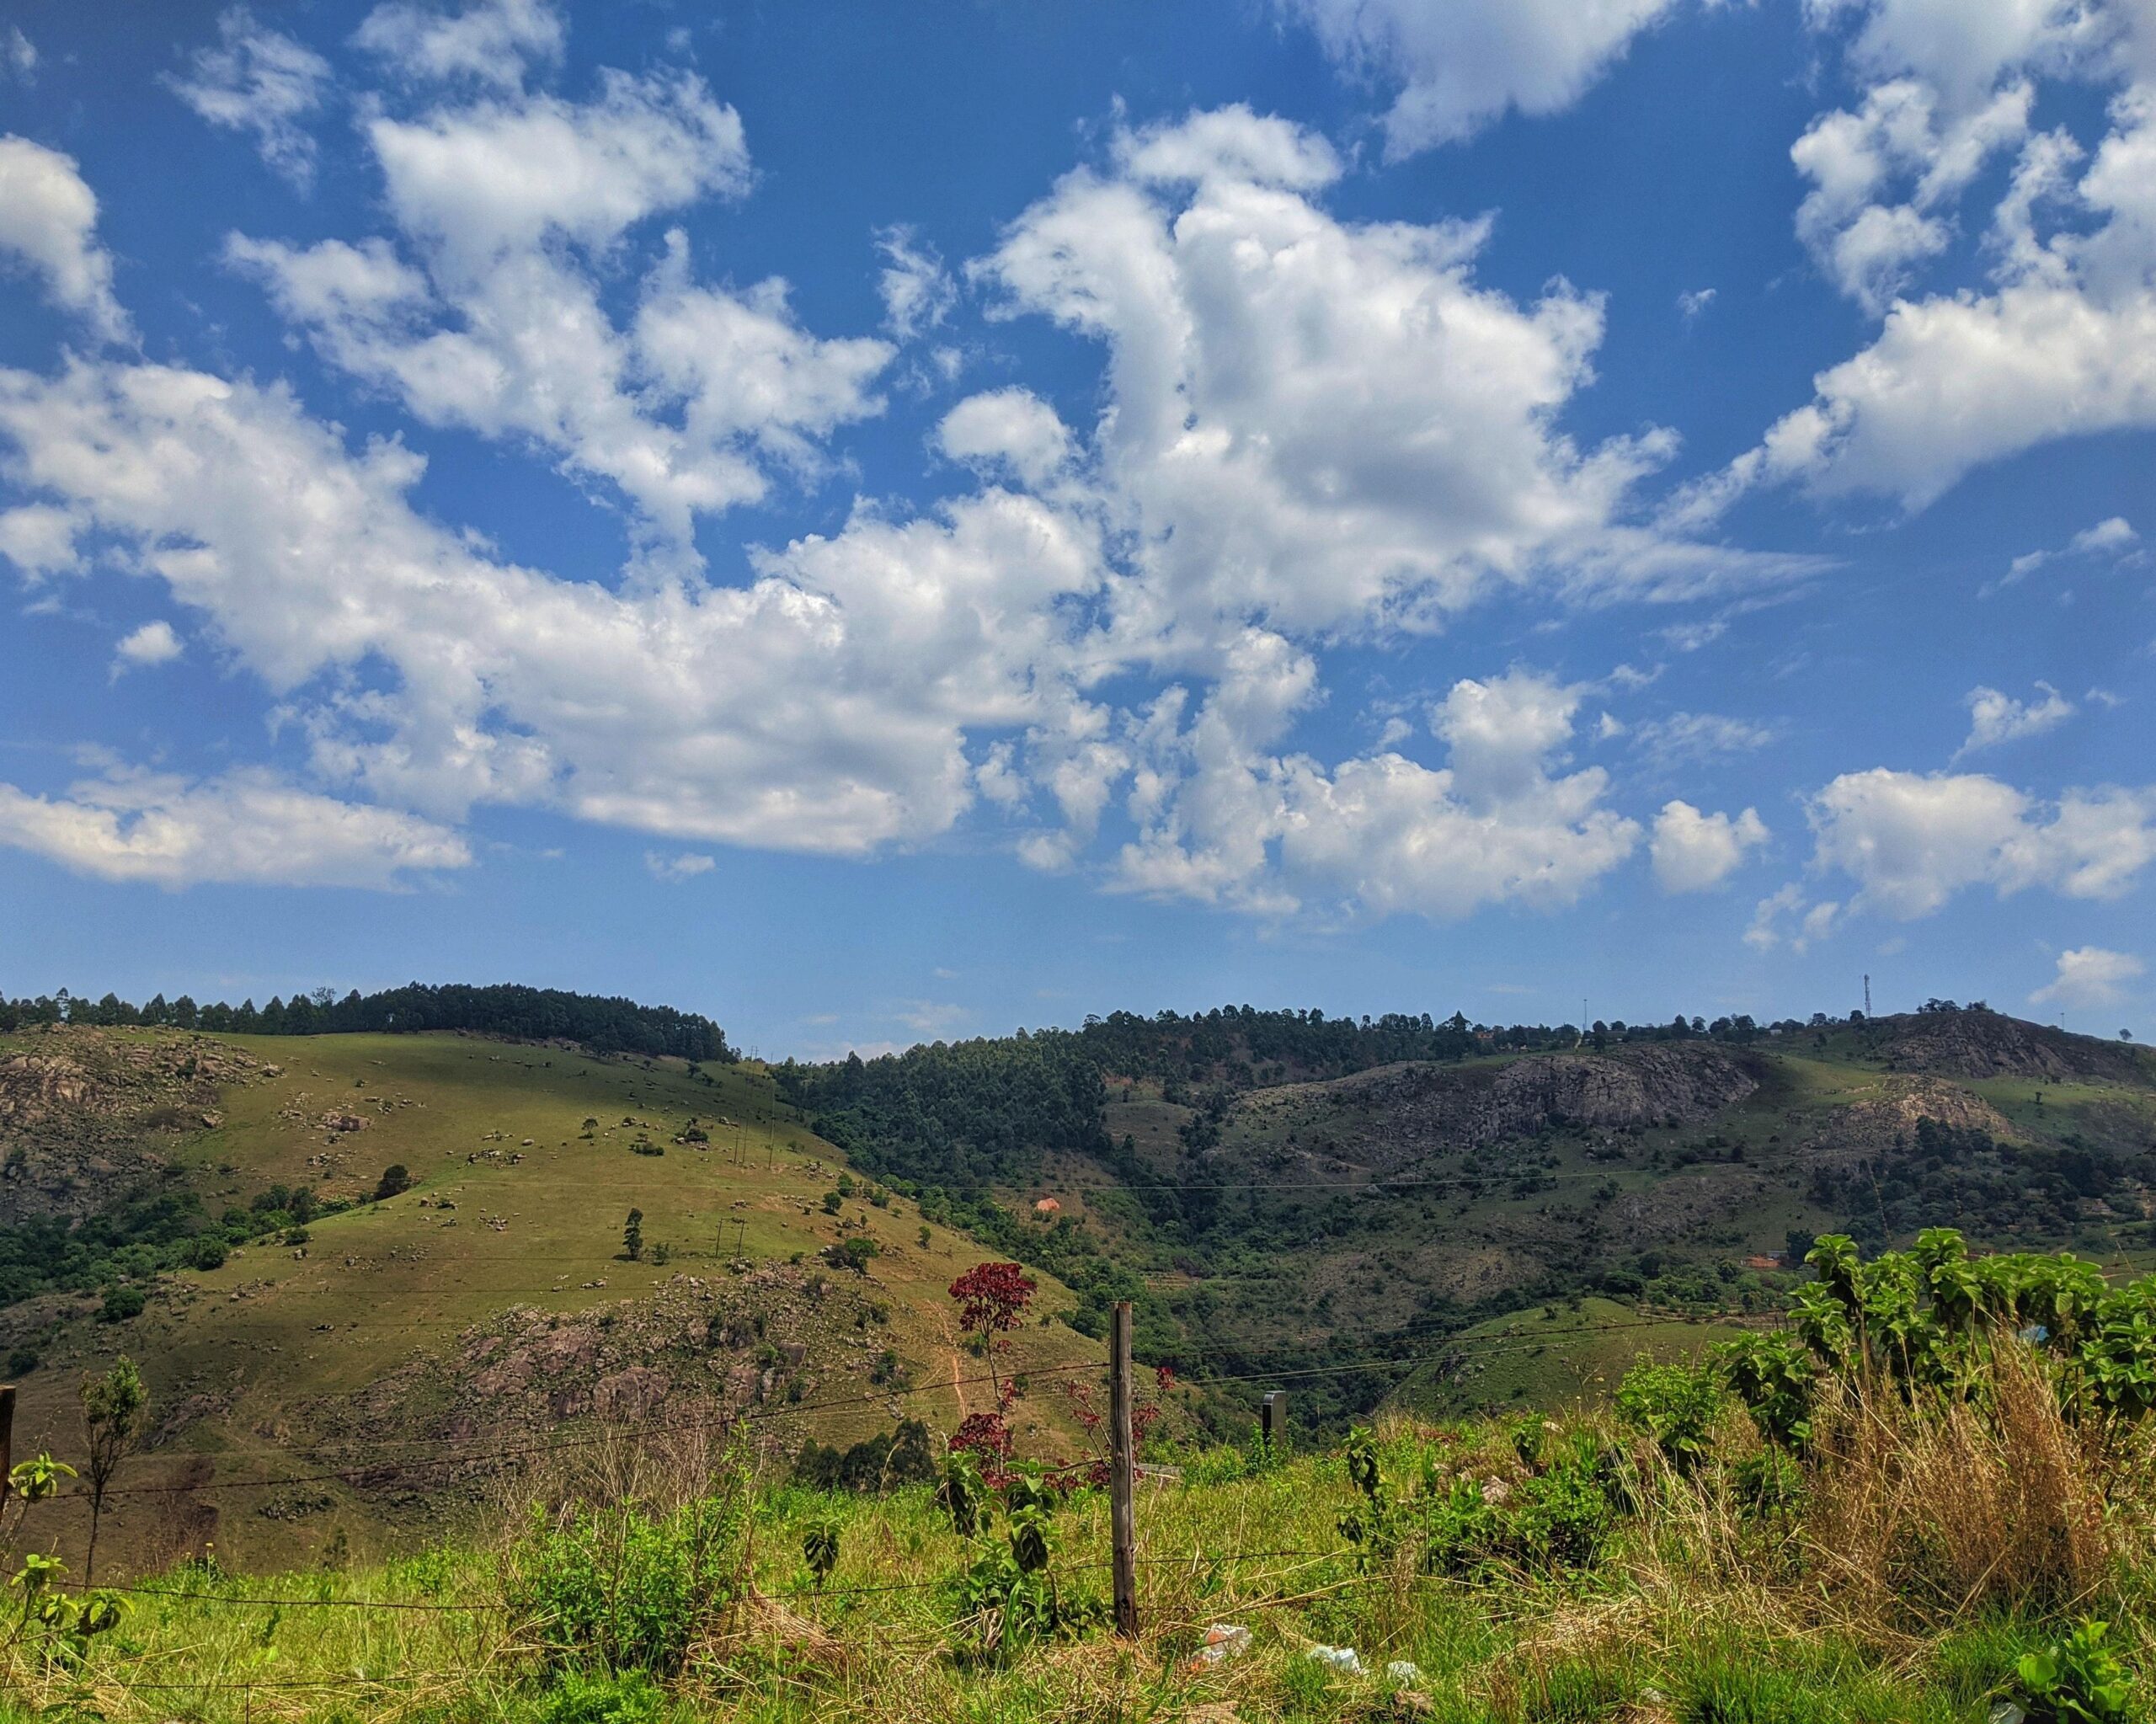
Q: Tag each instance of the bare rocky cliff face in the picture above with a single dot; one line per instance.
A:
(1891, 1118)
(84, 1113)
(1991, 1044)
(1399, 1114)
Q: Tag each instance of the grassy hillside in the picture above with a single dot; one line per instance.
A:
(491, 1299)
(1562, 1354)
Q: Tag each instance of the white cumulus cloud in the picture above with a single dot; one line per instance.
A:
(261, 81)
(491, 315)
(48, 224)
(1011, 429)
(1911, 840)
(1458, 65)
(1221, 821)
(823, 708)
(1996, 717)
(1316, 422)
(1696, 852)
(152, 643)
(2088, 977)
(489, 41)
(246, 827)
(2062, 342)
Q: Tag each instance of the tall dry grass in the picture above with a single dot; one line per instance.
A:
(1927, 1508)
(1918, 1514)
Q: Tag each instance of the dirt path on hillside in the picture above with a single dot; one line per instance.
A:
(957, 1363)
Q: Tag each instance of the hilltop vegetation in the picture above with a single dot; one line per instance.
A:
(603, 1025)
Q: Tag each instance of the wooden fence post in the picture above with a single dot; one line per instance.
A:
(1122, 1473)
(6, 1436)
(1272, 1410)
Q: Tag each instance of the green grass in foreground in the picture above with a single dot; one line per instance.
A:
(1694, 1613)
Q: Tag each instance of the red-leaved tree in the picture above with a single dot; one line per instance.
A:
(992, 1299)
(1086, 1408)
(989, 1439)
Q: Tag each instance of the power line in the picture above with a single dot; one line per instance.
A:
(201, 1598)
(1473, 1346)
(343, 1474)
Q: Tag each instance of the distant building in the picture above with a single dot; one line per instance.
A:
(1048, 1209)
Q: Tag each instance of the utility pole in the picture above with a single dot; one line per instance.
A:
(6, 1436)
(1122, 1471)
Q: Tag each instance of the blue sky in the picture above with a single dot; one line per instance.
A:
(880, 523)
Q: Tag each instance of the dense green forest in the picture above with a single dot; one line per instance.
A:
(959, 1114)
(1233, 1262)
(1960, 1177)
(606, 1025)
(119, 1250)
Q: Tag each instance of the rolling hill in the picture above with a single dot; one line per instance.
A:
(488, 1301)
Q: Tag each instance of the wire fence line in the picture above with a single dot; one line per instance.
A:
(1263, 1592)
(1465, 1346)
(248, 1601)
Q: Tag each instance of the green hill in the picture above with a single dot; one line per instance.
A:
(1280, 1190)
(490, 1300)
(1911, 1505)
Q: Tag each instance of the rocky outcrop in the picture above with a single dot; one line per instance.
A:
(761, 1338)
(1881, 1121)
(67, 1076)
(86, 1113)
(1397, 1114)
(1991, 1044)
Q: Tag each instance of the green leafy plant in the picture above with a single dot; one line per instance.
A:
(1374, 1526)
(1676, 1405)
(1009, 1597)
(578, 1698)
(622, 1587)
(963, 1493)
(115, 1412)
(819, 1548)
(1774, 1376)
(855, 1253)
(2075, 1681)
(1923, 1318)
